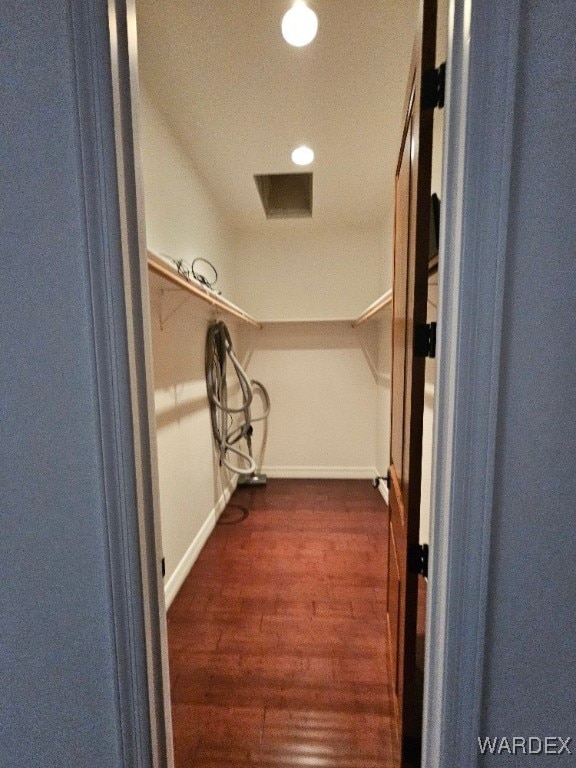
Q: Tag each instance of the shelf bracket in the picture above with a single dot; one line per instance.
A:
(163, 318)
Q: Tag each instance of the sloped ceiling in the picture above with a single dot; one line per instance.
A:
(240, 99)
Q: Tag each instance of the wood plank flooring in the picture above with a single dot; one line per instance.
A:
(277, 639)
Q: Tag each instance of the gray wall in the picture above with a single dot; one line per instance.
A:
(59, 679)
(530, 668)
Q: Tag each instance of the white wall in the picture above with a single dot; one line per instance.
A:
(295, 270)
(323, 394)
(182, 221)
(193, 489)
(321, 375)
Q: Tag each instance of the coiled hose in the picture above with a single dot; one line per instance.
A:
(226, 435)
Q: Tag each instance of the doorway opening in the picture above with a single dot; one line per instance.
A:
(223, 99)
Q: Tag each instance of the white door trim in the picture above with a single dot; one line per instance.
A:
(103, 32)
(126, 96)
(478, 143)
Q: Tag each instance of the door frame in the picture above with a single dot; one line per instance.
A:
(478, 144)
(148, 703)
(478, 136)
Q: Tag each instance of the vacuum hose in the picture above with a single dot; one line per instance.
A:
(226, 435)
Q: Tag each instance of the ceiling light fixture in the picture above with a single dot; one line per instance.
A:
(302, 155)
(299, 25)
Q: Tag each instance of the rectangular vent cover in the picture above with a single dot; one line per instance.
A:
(285, 195)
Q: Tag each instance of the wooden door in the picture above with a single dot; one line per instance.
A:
(411, 251)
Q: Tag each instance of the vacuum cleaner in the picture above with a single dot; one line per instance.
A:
(230, 424)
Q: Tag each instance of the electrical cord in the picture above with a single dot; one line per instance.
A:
(187, 271)
(217, 352)
(200, 277)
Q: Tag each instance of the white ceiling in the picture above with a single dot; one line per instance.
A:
(240, 99)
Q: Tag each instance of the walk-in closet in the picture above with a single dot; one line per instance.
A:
(305, 290)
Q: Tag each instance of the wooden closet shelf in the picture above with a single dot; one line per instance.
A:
(376, 306)
(161, 267)
(386, 299)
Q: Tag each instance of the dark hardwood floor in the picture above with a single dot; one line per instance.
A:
(278, 636)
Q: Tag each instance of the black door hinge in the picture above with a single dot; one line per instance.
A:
(433, 87)
(163, 567)
(425, 340)
(418, 559)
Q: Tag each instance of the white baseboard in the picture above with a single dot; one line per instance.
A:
(382, 487)
(183, 568)
(321, 473)
(383, 491)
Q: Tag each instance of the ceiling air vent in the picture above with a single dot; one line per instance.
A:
(285, 195)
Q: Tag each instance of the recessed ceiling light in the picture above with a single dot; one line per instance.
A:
(302, 155)
(299, 25)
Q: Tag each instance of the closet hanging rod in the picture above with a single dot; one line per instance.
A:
(163, 268)
(376, 306)
(308, 321)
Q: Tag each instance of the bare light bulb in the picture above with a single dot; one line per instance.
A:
(299, 25)
(302, 155)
